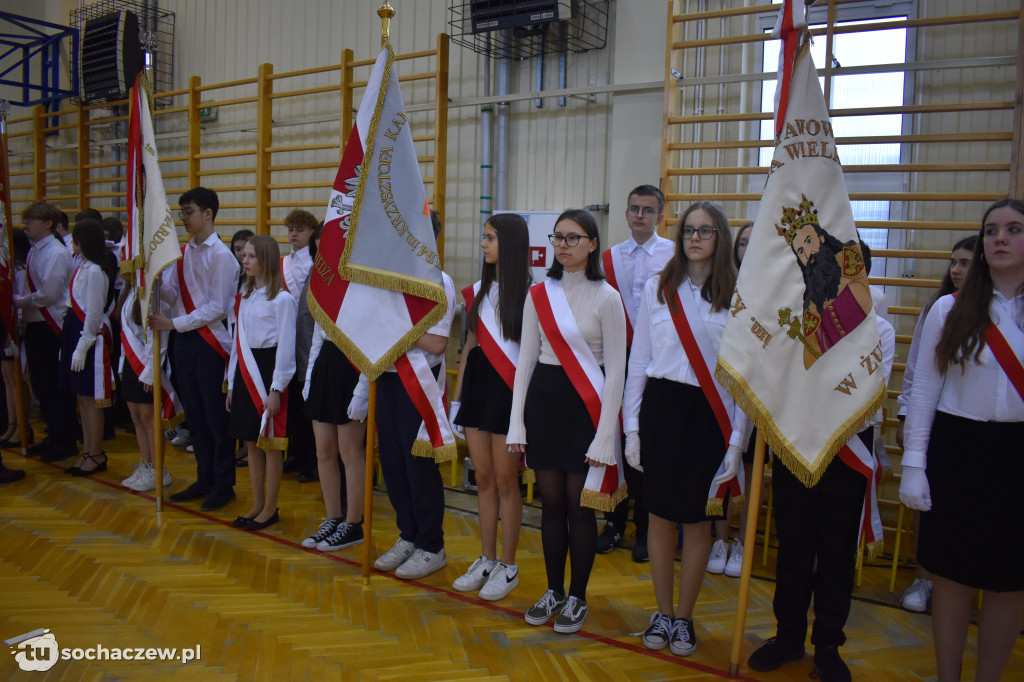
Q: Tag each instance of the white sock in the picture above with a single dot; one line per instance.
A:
(512, 568)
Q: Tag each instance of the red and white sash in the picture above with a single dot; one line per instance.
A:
(427, 392)
(288, 276)
(139, 354)
(1005, 356)
(703, 356)
(273, 430)
(612, 262)
(857, 456)
(605, 486)
(54, 318)
(103, 373)
(501, 353)
(215, 334)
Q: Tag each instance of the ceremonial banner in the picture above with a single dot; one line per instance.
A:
(152, 240)
(376, 284)
(6, 267)
(801, 352)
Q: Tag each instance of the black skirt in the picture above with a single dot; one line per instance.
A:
(330, 386)
(76, 383)
(681, 448)
(244, 420)
(131, 387)
(974, 470)
(559, 430)
(486, 398)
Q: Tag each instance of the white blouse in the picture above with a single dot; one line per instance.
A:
(268, 324)
(980, 391)
(90, 291)
(598, 312)
(657, 352)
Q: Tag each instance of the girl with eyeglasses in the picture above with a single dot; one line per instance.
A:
(673, 411)
(482, 400)
(576, 317)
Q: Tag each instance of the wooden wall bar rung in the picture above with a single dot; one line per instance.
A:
(227, 171)
(305, 72)
(301, 147)
(305, 92)
(222, 155)
(228, 84)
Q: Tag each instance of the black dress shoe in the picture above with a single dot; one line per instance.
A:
(97, 465)
(40, 447)
(57, 452)
(260, 525)
(217, 499)
(241, 521)
(193, 492)
(10, 475)
(829, 666)
(773, 653)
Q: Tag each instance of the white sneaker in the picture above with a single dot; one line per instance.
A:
(502, 580)
(136, 475)
(476, 576)
(394, 557)
(734, 566)
(422, 564)
(167, 478)
(916, 598)
(719, 555)
(181, 437)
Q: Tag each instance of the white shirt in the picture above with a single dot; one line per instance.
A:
(640, 262)
(50, 266)
(657, 352)
(980, 391)
(444, 325)
(268, 324)
(145, 340)
(90, 291)
(216, 268)
(301, 264)
(887, 335)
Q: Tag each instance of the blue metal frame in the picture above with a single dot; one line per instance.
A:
(35, 41)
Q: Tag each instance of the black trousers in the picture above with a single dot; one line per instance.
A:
(200, 372)
(57, 407)
(301, 445)
(817, 524)
(415, 487)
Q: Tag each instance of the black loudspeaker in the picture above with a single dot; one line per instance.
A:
(111, 56)
(494, 15)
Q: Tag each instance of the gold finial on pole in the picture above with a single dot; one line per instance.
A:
(385, 12)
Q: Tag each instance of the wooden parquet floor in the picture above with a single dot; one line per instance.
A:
(97, 565)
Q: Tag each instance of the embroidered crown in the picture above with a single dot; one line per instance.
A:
(795, 218)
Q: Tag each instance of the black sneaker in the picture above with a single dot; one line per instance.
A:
(609, 538)
(346, 535)
(325, 531)
(773, 653)
(829, 667)
(640, 554)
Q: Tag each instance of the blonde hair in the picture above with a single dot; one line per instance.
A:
(268, 255)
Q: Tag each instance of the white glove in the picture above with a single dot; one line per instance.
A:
(633, 450)
(305, 390)
(915, 492)
(731, 464)
(78, 358)
(452, 413)
(12, 349)
(358, 408)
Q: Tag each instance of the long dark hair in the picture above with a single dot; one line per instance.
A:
(88, 234)
(718, 287)
(513, 276)
(586, 221)
(964, 332)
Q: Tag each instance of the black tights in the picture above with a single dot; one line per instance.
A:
(566, 528)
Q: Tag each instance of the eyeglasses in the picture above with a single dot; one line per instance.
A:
(704, 231)
(184, 213)
(569, 239)
(646, 210)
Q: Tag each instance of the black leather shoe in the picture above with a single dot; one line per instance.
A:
(773, 653)
(829, 666)
(241, 522)
(260, 525)
(640, 554)
(193, 492)
(609, 538)
(10, 475)
(56, 453)
(97, 467)
(40, 447)
(217, 499)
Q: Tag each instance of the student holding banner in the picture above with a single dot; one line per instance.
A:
(85, 368)
(964, 431)
(682, 429)
(203, 286)
(565, 406)
(482, 400)
(137, 389)
(261, 366)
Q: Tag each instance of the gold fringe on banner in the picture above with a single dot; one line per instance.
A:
(173, 422)
(733, 382)
(601, 501)
(445, 453)
(875, 548)
(716, 507)
(104, 402)
(272, 443)
(529, 475)
(130, 266)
